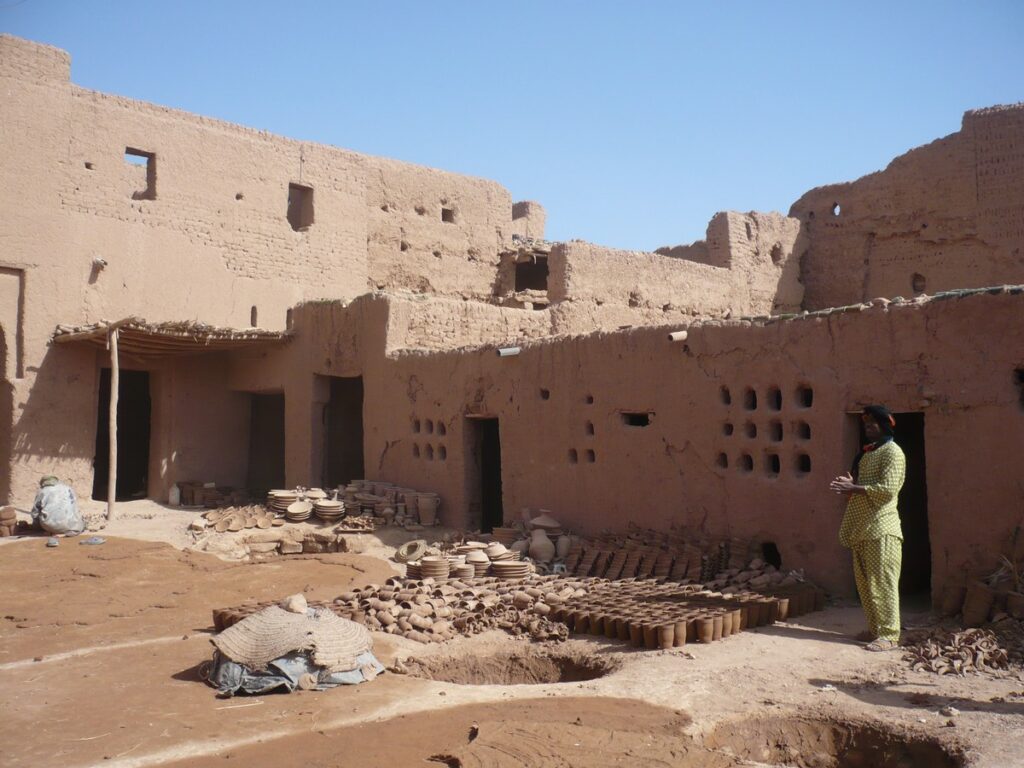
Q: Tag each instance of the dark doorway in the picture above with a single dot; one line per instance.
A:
(916, 575)
(343, 418)
(266, 443)
(484, 470)
(133, 412)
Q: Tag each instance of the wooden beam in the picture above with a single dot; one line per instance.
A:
(115, 385)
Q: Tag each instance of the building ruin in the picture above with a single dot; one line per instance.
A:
(298, 314)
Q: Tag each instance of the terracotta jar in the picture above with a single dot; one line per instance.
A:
(651, 635)
(680, 631)
(636, 632)
(666, 636)
(718, 624)
(541, 547)
(726, 622)
(706, 629)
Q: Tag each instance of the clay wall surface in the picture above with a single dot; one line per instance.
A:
(946, 215)
(203, 236)
(745, 267)
(912, 358)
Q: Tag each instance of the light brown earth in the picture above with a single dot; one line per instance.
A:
(101, 645)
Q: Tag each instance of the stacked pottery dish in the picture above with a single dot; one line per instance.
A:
(278, 501)
(454, 561)
(412, 570)
(298, 511)
(434, 567)
(328, 510)
(315, 494)
(479, 561)
(470, 546)
(462, 572)
(497, 552)
(510, 569)
(548, 524)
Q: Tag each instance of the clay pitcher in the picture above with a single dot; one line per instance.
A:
(541, 547)
(562, 547)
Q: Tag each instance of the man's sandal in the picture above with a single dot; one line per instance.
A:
(881, 645)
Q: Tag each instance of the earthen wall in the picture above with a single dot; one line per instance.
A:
(946, 215)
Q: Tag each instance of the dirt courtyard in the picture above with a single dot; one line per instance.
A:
(101, 647)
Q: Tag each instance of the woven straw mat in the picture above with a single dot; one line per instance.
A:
(259, 639)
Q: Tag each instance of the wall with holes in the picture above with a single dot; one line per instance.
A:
(946, 215)
(736, 431)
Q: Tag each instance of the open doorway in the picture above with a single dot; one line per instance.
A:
(133, 414)
(266, 443)
(483, 470)
(343, 419)
(916, 574)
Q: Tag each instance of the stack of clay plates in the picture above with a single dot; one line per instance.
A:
(498, 551)
(506, 536)
(510, 569)
(328, 510)
(299, 511)
(434, 567)
(470, 546)
(236, 518)
(278, 501)
(412, 570)
(462, 572)
(479, 561)
(454, 561)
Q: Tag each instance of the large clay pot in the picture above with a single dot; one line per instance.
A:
(562, 547)
(541, 547)
(426, 505)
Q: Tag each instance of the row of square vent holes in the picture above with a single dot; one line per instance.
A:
(775, 430)
(429, 453)
(428, 426)
(771, 463)
(300, 196)
(803, 397)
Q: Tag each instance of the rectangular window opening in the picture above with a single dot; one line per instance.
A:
(300, 207)
(636, 418)
(145, 162)
(448, 215)
(532, 275)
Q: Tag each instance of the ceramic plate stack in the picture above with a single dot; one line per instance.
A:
(299, 511)
(551, 526)
(434, 567)
(510, 569)
(479, 561)
(454, 561)
(412, 570)
(278, 501)
(470, 546)
(328, 510)
(462, 572)
(315, 494)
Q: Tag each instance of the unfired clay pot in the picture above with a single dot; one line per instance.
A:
(562, 547)
(541, 548)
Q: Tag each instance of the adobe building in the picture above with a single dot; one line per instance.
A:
(295, 314)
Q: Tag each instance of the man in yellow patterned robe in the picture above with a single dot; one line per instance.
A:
(871, 527)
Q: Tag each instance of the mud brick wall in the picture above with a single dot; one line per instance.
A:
(946, 215)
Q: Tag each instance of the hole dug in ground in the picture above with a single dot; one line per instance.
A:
(825, 743)
(526, 666)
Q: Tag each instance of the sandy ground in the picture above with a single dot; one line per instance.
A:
(101, 647)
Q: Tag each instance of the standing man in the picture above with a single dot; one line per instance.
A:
(871, 527)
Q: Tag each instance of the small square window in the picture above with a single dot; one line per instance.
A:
(300, 207)
(591, 456)
(448, 215)
(636, 419)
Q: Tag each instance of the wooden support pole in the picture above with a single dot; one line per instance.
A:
(115, 385)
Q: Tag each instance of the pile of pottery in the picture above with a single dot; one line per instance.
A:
(546, 542)
(329, 510)
(279, 500)
(299, 511)
(397, 505)
(238, 518)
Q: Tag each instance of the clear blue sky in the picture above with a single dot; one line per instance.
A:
(631, 122)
